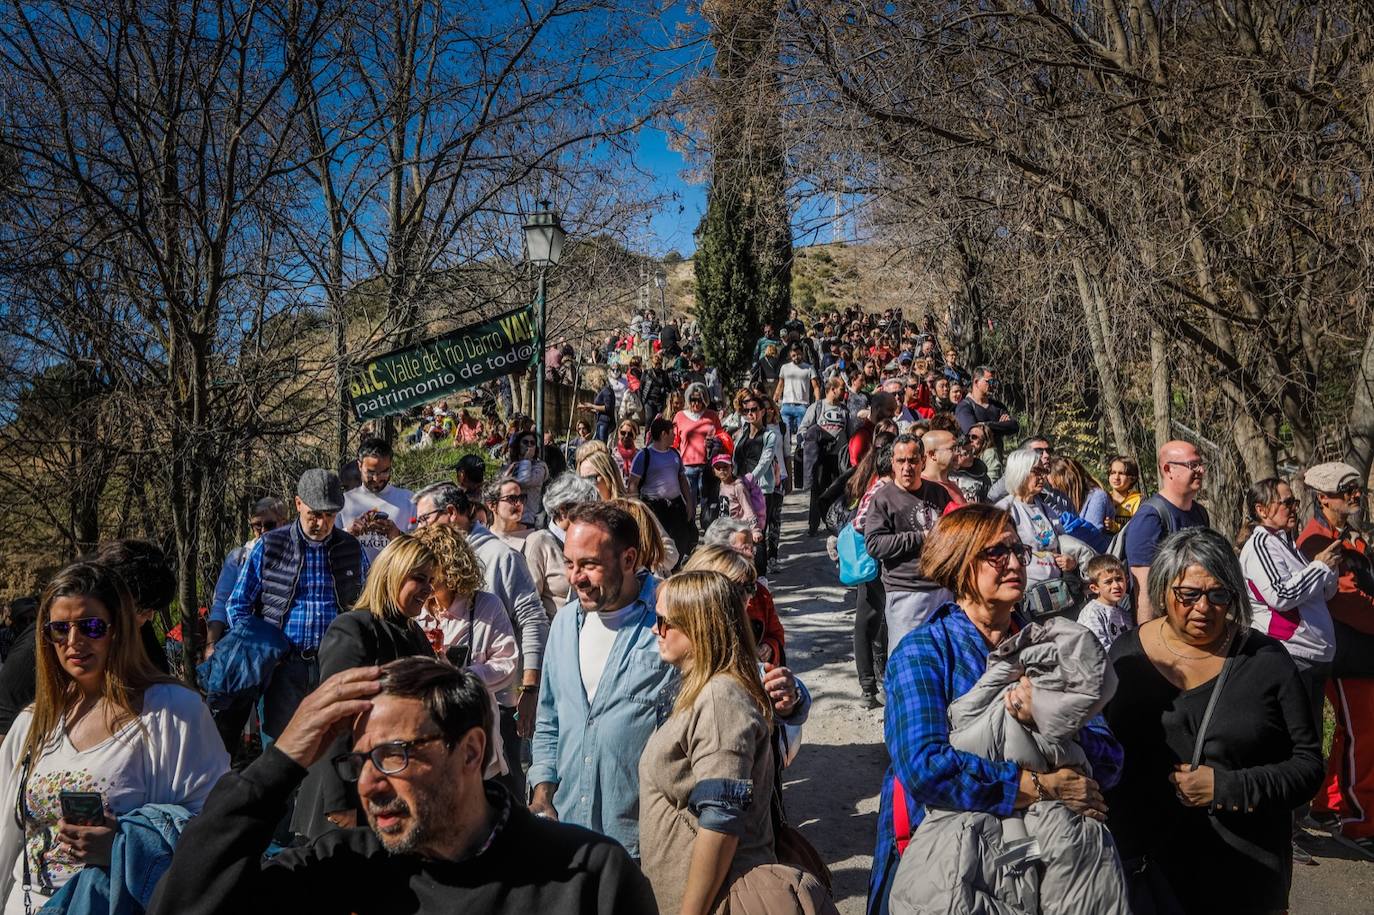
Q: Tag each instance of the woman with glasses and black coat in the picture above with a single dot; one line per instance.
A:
(106, 734)
(382, 627)
(1219, 739)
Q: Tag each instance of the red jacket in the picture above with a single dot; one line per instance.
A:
(1354, 600)
(763, 614)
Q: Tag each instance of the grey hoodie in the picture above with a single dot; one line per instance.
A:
(508, 577)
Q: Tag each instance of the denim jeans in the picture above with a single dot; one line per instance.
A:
(293, 680)
(694, 473)
(792, 414)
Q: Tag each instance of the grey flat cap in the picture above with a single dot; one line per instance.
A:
(320, 489)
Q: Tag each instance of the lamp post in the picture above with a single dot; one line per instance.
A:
(661, 281)
(543, 249)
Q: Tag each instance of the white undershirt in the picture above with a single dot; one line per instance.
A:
(596, 639)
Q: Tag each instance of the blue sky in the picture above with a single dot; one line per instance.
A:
(672, 227)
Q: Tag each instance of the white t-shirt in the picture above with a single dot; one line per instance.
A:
(397, 503)
(175, 757)
(596, 639)
(796, 382)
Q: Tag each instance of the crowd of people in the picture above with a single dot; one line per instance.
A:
(557, 680)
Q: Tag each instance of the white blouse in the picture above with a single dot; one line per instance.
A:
(170, 754)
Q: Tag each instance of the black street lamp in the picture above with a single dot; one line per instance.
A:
(543, 249)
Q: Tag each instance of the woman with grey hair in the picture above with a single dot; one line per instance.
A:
(1054, 556)
(694, 428)
(543, 549)
(1219, 740)
(731, 533)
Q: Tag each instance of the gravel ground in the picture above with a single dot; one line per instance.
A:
(831, 789)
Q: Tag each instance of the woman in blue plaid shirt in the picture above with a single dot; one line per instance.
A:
(973, 551)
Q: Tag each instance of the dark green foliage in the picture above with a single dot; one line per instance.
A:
(727, 280)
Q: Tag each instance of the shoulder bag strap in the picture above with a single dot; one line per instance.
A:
(1233, 648)
(21, 818)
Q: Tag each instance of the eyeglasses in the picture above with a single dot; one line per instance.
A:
(1348, 490)
(513, 499)
(1217, 597)
(747, 410)
(425, 519)
(262, 527)
(662, 624)
(92, 627)
(389, 758)
(1290, 503)
(999, 553)
(627, 433)
(1194, 466)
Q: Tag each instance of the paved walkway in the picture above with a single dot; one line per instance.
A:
(832, 788)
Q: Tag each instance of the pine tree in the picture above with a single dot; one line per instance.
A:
(727, 284)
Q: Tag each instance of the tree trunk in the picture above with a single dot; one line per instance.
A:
(1359, 451)
(1161, 394)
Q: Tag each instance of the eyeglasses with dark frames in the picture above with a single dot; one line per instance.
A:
(389, 758)
(1194, 466)
(92, 627)
(1217, 597)
(514, 498)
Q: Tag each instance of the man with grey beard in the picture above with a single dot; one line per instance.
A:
(438, 838)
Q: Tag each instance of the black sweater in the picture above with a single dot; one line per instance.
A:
(1266, 754)
(533, 867)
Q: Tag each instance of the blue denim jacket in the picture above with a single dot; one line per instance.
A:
(592, 752)
(141, 854)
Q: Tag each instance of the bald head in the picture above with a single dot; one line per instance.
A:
(1181, 472)
(939, 448)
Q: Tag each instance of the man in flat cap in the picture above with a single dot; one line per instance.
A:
(299, 577)
(1347, 794)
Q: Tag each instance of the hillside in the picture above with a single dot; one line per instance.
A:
(831, 276)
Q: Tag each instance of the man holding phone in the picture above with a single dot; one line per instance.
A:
(375, 512)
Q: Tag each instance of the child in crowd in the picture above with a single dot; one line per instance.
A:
(1103, 615)
(741, 497)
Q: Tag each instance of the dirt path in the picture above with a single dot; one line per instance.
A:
(832, 787)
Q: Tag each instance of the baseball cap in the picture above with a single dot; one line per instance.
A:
(1331, 476)
(320, 490)
(721, 458)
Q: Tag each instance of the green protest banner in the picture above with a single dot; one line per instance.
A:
(464, 358)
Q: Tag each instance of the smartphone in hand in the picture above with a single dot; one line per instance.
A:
(82, 808)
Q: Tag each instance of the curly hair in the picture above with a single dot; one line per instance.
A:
(456, 565)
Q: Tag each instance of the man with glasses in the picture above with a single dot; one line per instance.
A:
(1347, 795)
(981, 407)
(268, 514)
(506, 575)
(375, 512)
(1173, 508)
(438, 838)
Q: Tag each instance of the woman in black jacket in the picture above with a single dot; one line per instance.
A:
(379, 629)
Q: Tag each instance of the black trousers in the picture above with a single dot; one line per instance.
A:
(514, 780)
(825, 472)
(1354, 654)
(773, 532)
(870, 634)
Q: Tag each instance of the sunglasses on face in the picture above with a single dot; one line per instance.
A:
(662, 624)
(1290, 503)
(999, 553)
(1217, 597)
(517, 498)
(262, 527)
(92, 627)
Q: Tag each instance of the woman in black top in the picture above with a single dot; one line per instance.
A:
(1260, 754)
(381, 628)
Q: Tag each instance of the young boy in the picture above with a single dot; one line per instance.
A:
(1102, 615)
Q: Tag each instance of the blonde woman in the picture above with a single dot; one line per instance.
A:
(699, 831)
(382, 627)
(594, 463)
(760, 609)
(471, 628)
(103, 721)
(657, 552)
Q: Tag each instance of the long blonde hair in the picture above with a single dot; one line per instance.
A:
(603, 467)
(708, 609)
(393, 565)
(128, 672)
(652, 555)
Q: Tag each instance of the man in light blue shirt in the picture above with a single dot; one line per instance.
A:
(605, 688)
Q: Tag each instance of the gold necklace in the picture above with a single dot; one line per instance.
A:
(1184, 657)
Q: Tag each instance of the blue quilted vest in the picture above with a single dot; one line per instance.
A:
(283, 558)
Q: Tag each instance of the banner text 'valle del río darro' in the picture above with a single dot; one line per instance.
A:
(465, 358)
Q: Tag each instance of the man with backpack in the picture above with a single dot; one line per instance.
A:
(1174, 507)
(824, 435)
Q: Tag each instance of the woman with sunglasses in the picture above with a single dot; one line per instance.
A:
(506, 501)
(700, 834)
(382, 627)
(104, 723)
(526, 468)
(975, 553)
(693, 427)
(596, 466)
(1220, 741)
